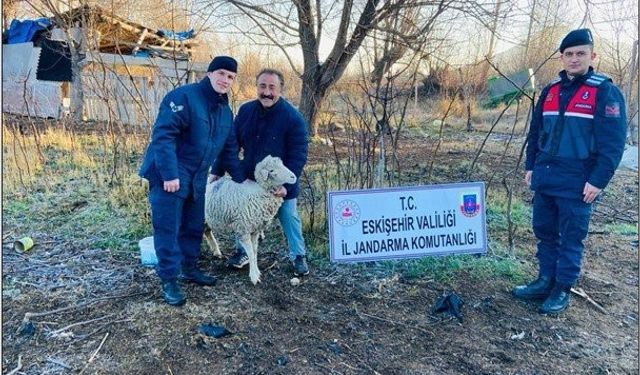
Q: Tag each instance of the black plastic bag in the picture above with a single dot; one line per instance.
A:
(449, 303)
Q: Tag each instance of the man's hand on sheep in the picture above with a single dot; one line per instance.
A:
(172, 186)
(213, 177)
(279, 191)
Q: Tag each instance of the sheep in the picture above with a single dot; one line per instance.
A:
(247, 208)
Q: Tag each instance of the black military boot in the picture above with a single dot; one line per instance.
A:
(172, 293)
(194, 275)
(538, 289)
(558, 300)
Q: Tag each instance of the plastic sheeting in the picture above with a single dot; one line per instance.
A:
(19, 62)
(55, 61)
(180, 35)
(24, 31)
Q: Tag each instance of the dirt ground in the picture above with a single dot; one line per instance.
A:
(67, 309)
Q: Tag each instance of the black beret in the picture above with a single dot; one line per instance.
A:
(577, 37)
(223, 62)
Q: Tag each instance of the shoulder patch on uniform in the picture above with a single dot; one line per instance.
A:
(596, 79)
(176, 108)
(612, 109)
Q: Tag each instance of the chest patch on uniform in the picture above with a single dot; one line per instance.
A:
(612, 109)
(176, 108)
(585, 95)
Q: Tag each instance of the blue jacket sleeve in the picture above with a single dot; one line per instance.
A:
(228, 159)
(297, 145)
(218, 167)
(173, 118)
(609, 132)
(534, 131)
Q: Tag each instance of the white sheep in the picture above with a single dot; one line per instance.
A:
(247, 208)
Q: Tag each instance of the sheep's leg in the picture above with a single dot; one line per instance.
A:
(211, 241)
(247, 243)
(255, 241)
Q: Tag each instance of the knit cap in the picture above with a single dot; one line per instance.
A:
(223, 62)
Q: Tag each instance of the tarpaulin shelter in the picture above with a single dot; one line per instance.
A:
(117, 58)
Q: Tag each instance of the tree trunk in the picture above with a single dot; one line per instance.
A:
(77, 93)
(632, 106)
(311, 99)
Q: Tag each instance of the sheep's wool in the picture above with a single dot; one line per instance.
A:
(246, 208)
(240, 208)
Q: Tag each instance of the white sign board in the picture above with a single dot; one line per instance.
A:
(409, 222)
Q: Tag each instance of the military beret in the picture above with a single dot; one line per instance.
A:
(577, 37)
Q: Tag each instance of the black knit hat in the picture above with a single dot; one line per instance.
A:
(223, 62)
(577, 37)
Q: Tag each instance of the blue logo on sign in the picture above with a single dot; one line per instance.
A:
(470, 206)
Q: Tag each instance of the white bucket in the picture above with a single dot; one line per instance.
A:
(147, 252)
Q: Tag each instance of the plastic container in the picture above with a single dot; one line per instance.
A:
(147, 252)
(23, 244)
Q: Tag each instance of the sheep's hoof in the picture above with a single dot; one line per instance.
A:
(255, 279)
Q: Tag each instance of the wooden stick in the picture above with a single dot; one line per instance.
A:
(53, 333)
(59, 363)
(271, 266)
(580, 292)
(93, 356)
(15, 370)
(30, 315)
(394, 323)
(100, 328)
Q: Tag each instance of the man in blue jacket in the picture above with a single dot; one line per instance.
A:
(575, 144)
(192, 129)
(270, 125)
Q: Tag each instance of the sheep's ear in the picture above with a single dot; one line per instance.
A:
(264, 174)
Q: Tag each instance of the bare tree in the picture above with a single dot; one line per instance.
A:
(303, 24)
(617, 37)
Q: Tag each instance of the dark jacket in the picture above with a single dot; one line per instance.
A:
(193, 127)
(577, 135)
(278, 131)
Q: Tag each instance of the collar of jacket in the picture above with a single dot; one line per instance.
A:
(263, 112)
(210, 93)
(565, 77)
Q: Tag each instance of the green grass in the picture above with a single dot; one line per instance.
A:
(497, 211)
(623, 229)
(71, 195)
(16, 208)
(446, 268)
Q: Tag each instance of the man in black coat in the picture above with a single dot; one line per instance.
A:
(193, 128)
(270, 125)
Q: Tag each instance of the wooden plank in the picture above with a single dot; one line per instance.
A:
(111, 59)
(140, 40)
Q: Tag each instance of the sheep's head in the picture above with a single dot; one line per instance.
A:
(271, 172)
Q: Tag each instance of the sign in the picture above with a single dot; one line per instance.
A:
(409, 222)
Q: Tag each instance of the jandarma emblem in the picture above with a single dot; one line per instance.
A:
(346, 213)
(470, 206)
(176, 108)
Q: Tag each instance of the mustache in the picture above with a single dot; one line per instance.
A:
(266, 97)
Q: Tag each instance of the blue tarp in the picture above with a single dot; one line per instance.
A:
(24, 31)
(182, 35)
